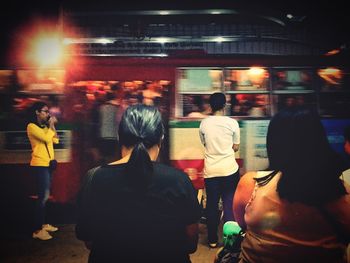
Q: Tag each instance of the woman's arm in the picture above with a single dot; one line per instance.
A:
(340, 212)
(40, 134)
(52, 121)
(191, 238)
(85, 213)
(242, 196)
(190, 213)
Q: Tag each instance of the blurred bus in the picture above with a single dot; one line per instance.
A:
(256, 88)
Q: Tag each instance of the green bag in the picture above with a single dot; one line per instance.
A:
(233, 236)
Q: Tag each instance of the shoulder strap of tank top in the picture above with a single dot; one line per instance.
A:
(264, 180)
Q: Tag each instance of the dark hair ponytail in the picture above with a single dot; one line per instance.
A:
(139, 167)
(141, 127)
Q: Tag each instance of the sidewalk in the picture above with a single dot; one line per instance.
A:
(65, 248)
(17, 245)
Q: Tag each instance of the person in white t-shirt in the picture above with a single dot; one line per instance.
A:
(220, 136)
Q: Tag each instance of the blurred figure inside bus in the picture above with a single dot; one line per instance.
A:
(200, 107)
(109, 119)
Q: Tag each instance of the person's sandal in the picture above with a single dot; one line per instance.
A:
(213, 245)
(42, 235)
(50, 228)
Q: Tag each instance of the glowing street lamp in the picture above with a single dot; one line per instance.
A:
(48, 51)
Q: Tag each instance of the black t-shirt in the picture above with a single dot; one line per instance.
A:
(128, 226)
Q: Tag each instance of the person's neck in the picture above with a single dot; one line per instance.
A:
(126, 153)
(219, 113)
(40, 123)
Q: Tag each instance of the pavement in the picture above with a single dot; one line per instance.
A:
(17, 245)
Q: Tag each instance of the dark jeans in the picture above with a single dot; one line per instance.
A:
(224, 187)
(43, 179)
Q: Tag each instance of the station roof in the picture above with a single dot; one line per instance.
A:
(326, 21)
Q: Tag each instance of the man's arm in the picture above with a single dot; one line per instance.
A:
(236, 137)
(201, 135)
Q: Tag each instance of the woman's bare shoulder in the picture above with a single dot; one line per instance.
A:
(246, 184)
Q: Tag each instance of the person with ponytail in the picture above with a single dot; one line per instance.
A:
(136, 209)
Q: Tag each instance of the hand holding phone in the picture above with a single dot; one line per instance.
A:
(52, 120)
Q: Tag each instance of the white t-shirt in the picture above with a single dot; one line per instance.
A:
(218, 134)
(346, 178)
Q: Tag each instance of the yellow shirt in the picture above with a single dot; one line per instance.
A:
(38, 137)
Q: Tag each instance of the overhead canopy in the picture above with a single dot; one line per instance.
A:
(162, 29)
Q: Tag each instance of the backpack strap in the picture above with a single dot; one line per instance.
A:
(47, 149)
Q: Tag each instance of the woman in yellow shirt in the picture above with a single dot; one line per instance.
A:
(42, 135)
